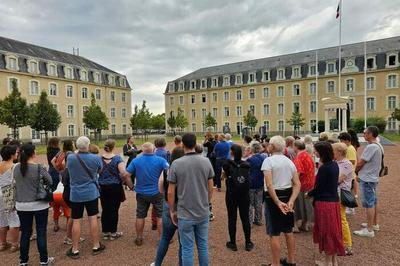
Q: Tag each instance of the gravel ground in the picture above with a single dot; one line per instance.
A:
(381, 250)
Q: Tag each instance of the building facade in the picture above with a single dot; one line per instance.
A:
(273, 88)
(69, 81)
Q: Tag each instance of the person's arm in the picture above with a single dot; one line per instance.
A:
(161, 184)
(271, 191)
(295, 191)
(342, 177)
(360, 165)
(171, 203)
(125, 176)
(53, 161)
(47, 178)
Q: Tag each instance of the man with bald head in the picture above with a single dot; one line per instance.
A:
(147, 168)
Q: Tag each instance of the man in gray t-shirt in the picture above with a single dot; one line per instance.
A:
(192, 177)
(368, 168)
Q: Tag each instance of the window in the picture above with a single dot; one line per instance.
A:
(238, 79)
(215, 97)
(370, 63)
(123, 113)
(124, 131)
(265, 76)
(252, 94)
(280, 108)
(11, 82)
(113, 132)
(370, 104)
(370, 83)
(203, 83)
(84, 109)
(194, 127)
(313, 88)
(313, 124)
(331, 68)
(252, 78)
(53, 89)
(266, 109)
(281, 125)
(281, 74)
(85, 130)
(33, 67)
(281, 91)
(112, 112)
(171, 101)
(203, 113)
(239, 110)
(226, 111)
(203, 98)
(238, 95)
(54, 133)
(214, 82)
(123, 82)
(226, 81)
(111, 81)
(51, 69)
(266, 92)
(226, 96)
(313, 106)
(349, 85)
(70, 111)
(296, 90)
(330, 86)
(70, 91)
(351, 105)
(214, 112)
(97, 77)
(181, 86)
(84, 93)
(35, 134)
(112, 96)
(55, 106)
(391, 123)
(98, 94)
(193, 85)
(193, 98)
(296, 107)
(391, 60)
(180, 99)
(84, 75)
(392, 102)
(34, 87)
(296, 72)
(392, 81)
(312, 70)
(69, 74)
(12, 63)
(252, 109)
(193, 113)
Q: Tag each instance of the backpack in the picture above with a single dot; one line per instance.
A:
(239, 176)
(59, 163)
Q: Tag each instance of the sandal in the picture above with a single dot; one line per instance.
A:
(4, 246)
(98, 250)
(72, 254)
(115, 235)
(139, 241)
(14, 248)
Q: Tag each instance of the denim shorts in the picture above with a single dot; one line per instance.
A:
(368, 194)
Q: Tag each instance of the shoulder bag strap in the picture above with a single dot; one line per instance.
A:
(84, 166)
(383, 155)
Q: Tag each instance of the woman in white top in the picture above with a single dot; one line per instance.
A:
(283, 186)
(9, 220)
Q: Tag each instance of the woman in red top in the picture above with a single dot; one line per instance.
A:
(304, 163)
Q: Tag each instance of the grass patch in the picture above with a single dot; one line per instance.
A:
(392, 136)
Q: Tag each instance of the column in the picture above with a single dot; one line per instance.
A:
(344, 128)
(340, 120)
(327, 120)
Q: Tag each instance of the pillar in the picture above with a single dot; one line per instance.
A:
(327, 120)
(344, 128)
(340, 120)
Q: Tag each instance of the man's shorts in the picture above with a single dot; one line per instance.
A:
(78, 207)
(368, 194)
(10, 219)
(143, 204)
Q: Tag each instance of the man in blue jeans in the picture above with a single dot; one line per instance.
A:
(368, 168)
(192, 177)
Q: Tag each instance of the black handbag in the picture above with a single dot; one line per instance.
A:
(347, 199)
(44, 191)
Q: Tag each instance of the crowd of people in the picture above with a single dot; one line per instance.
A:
(290, 184)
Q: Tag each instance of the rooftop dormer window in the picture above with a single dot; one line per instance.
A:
(265, 76)
(33, 66)
(238, 79)
(296, 72)
(12, 62)
(51, 69)
(312, 70)
(111, 80)
(392, 59)
(227, 81)
(193, 85)
(252, 77)
(69, 72)
(214, 82)
(171, 87)
(181, 86)
(97, 77)
(330, 67)
(84, 75)
(281, 74)
(123, 82)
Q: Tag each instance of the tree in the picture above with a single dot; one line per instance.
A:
(358, 124)
(396, 114)
(14, 111)
(143, 119)
(44, 116)
(171, 121)
(297, 121)
(250, 120)
(209, 121)
(95, 119)
(158, 121)
(134, 124)
(181, 121)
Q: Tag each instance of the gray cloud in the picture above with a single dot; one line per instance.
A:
(155, 41)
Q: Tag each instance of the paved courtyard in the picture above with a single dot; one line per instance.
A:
(381, 250)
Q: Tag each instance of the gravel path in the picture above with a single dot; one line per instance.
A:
(381, 250)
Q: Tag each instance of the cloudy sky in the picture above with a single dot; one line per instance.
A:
(155, 41)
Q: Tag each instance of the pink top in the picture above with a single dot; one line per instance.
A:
(345, 168)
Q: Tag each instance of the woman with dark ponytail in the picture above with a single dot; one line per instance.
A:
(28, 174)
(237, 174)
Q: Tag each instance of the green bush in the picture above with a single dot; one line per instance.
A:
(358, 124)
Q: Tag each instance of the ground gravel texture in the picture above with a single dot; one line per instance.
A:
(381, 250)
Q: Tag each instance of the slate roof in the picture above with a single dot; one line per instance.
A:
(300, 58)
(27, 50)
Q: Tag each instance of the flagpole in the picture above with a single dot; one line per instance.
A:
(340, 45)
(365, 84)
(316, 90)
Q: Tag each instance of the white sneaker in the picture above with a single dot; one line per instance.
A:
(374, 227)
(153, 264)
(50, 261)
(364, 232)
(350, 211)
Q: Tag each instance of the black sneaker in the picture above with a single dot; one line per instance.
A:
(97, 251)
(231, 246)
(249, 246)
(284, 262)
(73, 255)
